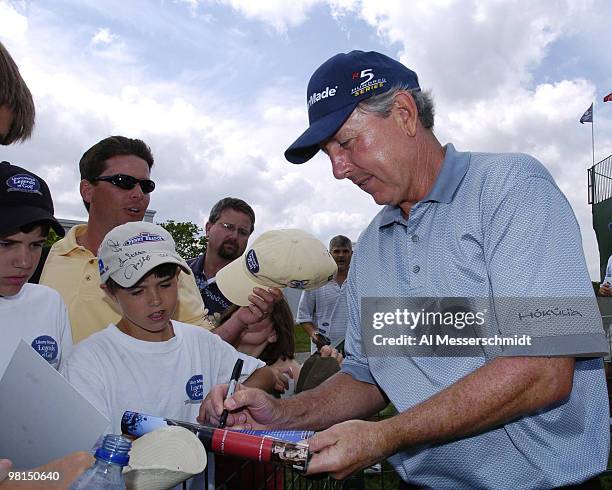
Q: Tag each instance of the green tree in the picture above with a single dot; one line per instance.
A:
(52, 237)
(188, 237)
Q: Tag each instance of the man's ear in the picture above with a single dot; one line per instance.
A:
(86, 190)
(207, 227)
(405, 112)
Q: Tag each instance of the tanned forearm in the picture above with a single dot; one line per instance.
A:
(231, 330)
(262, 378)
(339, 398)
(502, 390)
(309, 328)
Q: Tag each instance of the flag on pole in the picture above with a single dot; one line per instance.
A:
(608, 98)
(587, 116)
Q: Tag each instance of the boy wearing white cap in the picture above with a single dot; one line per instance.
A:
(148, 362)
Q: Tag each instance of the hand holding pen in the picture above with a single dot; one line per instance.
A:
(231, 389)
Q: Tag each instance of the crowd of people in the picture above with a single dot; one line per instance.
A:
(134, 326)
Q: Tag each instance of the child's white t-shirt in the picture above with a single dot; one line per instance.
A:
(37, 314)
(117, 372)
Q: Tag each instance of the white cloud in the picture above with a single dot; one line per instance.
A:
(279, 14)
(480, 58)
(13, 25)
(103, 36)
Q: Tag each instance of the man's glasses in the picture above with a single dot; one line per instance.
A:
(242, 232)
(128, 182)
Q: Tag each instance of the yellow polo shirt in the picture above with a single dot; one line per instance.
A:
(73, 271)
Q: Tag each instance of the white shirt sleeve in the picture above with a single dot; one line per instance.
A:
(306, 307)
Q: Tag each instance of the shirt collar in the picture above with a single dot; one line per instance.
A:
(69, 243)
(197, 265)
(454, 168)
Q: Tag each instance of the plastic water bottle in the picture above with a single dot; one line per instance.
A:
(105, 474)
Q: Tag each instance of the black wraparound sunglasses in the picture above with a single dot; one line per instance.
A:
(128, 182)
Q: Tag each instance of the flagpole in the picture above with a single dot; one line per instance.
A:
(593, 131)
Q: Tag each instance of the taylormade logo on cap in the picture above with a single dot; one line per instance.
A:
(337, 87)
(317, 96)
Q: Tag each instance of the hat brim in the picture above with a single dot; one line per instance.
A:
(128, 276)
(164, 458)
(18, 216)
(236, 283)
(307, 145)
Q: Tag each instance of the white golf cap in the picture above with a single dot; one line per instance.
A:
(280, 259)
(164, 458)
(131, 250)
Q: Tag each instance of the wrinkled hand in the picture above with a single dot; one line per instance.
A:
(329, 351)
(605, 289)
(250, 408)
(262, 303)
(346, 448)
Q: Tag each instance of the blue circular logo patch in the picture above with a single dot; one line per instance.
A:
(46, 346)
(23, 183)
(251, 262)
(194, 388)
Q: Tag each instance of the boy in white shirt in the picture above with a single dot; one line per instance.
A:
(148, 362)
(31, 312)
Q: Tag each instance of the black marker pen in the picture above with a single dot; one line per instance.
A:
(231, 389)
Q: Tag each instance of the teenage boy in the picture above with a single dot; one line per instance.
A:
(148, 362)
(30, 312)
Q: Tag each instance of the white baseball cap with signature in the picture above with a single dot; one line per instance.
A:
(129, 251)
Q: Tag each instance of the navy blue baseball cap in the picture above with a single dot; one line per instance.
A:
(24, 199)
(337, 87)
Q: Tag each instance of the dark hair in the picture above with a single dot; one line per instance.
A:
(15, 94)
(282, 319)
(235, 204)
(44, 226)
(93, 161)
(162, 270)
(341, 241)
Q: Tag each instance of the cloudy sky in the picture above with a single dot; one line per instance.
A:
(217, 89)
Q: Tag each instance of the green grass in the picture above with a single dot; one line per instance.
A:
(302, 340)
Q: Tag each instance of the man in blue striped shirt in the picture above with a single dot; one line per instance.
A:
(492, 228)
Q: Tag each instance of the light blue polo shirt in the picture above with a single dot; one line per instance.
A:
(493, 226)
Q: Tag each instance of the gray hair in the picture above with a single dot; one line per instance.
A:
(383, 103)
(232, 203)
(341, 241)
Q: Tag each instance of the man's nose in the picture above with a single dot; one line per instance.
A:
(340, 162)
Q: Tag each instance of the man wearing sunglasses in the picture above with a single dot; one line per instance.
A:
(115, 188)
